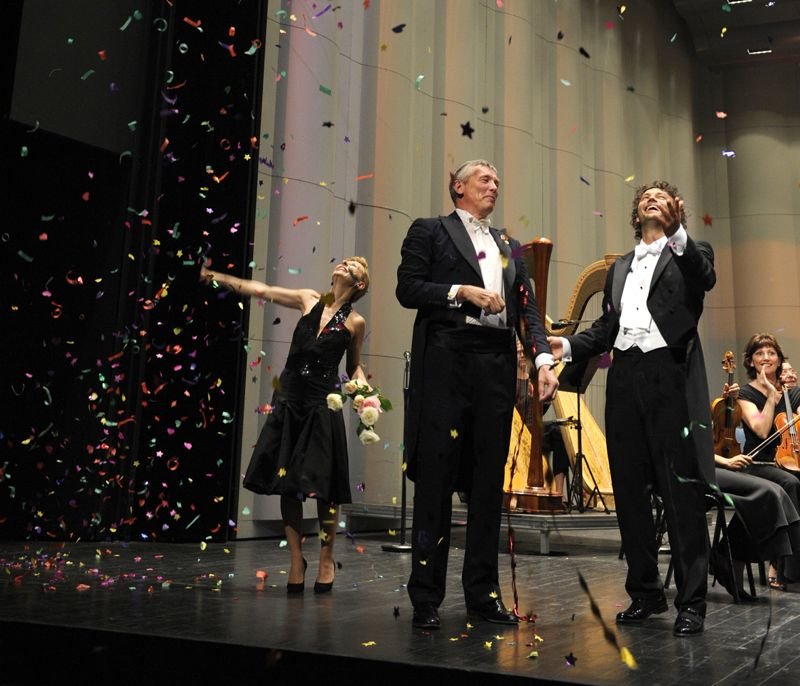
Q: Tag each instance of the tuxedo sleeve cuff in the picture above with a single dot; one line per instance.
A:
(451, 296)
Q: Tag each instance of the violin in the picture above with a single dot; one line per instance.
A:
(787, 454)
(726, 415)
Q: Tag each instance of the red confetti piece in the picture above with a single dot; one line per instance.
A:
(301, 218)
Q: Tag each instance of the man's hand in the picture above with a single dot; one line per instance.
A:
(556, 347)
(548, 383)
(489, 301)
(671, 215)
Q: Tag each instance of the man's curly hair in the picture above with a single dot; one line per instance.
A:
(662, 185)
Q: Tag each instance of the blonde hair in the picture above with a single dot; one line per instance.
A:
(362, 262)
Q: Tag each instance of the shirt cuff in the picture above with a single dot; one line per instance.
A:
(543, 359)
(678, 241)
(451, 296)
(566, 350)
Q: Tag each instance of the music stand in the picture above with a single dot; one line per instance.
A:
(402, 546)
(574, 378)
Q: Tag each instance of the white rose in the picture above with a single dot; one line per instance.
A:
(368, 436)
(369, 415)
(351, 387)
(334, 401)
(357, 401)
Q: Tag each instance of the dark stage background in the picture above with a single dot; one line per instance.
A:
(130, 148)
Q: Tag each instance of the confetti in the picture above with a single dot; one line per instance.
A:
(467, 130)
(398, 29)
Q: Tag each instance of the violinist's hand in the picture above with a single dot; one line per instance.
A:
(763, 384)
(548, 383)
(730, 391)
(738, 462)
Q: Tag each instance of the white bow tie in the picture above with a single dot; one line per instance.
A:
(479, 224)
(643, 249)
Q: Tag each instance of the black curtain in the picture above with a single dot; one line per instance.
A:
(130, 149)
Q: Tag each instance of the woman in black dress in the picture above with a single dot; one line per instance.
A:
(302, 449)
(761, 400)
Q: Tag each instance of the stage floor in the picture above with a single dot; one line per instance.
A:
(149, 613)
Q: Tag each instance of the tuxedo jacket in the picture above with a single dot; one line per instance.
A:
(675, 301)
(436, 254)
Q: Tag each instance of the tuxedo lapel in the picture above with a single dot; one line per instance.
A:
(664, 259)
(509, 266)
(621, 270)
(458, 234)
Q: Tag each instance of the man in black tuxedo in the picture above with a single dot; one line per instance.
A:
(471, 290)
(658, 424)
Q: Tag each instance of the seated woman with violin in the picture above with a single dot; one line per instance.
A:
(772, 448)
(767, 523)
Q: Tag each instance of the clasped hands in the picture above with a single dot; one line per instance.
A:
(490, 302)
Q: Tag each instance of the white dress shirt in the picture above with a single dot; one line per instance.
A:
(491, 264)
(636, 325)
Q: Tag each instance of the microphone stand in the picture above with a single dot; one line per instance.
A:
(402, 546)
(576, 485)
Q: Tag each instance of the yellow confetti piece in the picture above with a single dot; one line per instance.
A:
(538, 638)
(453, 433)
(469, 626)
(453, 639)
(630, 178)
(203, 545)
(627, 657)
(423, 562)
(367, 644)
(487, 645)
(533, 654)
(282, 472)
(723, 31)
(392, 532)
(493, 594)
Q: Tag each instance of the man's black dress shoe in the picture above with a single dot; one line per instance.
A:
(689, 622)
(426, 616)
(641, 608)
(493, 611)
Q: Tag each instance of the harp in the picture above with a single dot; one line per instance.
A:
(526, 466)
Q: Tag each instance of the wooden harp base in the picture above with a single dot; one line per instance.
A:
(533, 500)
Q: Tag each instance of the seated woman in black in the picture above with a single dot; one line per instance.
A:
(767, 523)
(761, 400)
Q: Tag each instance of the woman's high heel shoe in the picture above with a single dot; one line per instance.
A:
(327, 587)
(298, 588)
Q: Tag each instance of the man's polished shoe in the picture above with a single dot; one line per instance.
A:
(641, 608)
(494, 611)
(426, 616)
(689, 622)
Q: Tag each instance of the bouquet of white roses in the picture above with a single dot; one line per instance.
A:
(366, 401)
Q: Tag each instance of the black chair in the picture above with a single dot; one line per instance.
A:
(719, 541)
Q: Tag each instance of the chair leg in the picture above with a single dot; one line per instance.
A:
(762, 573)
(721, 536)
(749, 568)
